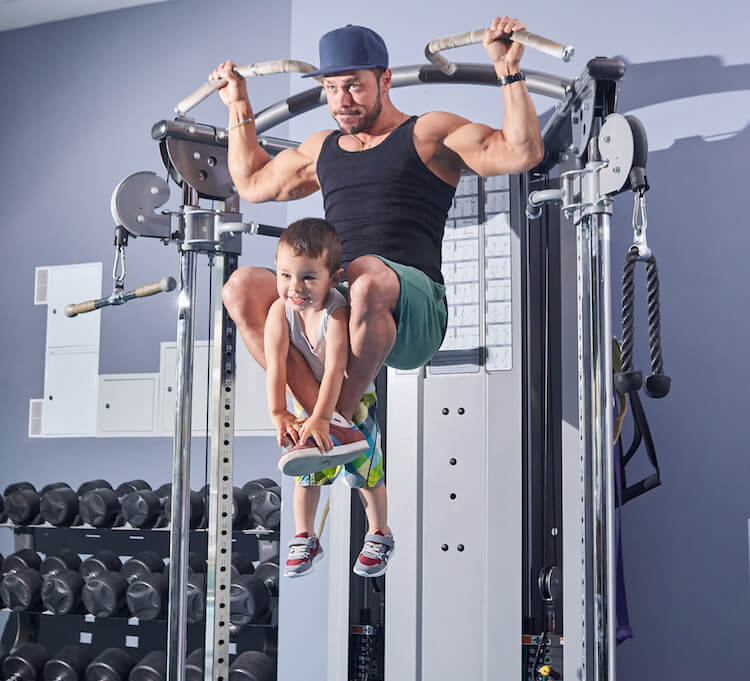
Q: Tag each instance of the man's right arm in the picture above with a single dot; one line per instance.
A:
(258, 177)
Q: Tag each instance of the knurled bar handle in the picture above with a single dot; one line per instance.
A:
(265, 68)
(434, 47)
(166, 284)
(86, 306)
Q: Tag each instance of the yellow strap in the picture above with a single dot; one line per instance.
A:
(323, 519)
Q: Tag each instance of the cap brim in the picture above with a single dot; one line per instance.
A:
(342, 69)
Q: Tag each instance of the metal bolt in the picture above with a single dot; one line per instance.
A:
(444, 547)
(196, 155)
(202, 175)
(606, 139)
(554, 531)
(461, 410)
(211, 161)
(445, 411)
(616, 170)
(452, 461)
(453, 495)
(460, 547)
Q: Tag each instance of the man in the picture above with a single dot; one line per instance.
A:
(388, 180)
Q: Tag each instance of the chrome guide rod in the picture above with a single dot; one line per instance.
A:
(179, 537)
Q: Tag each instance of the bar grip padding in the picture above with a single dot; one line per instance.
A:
(166, 284)
(265, 68)
(434, 47)
(79, 308)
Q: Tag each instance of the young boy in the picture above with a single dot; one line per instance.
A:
(311, 313)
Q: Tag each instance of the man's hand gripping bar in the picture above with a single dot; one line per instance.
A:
(434, 47)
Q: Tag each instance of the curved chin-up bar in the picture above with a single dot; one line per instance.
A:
(419, 74)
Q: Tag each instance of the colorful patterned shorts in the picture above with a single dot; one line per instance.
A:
(365, 471)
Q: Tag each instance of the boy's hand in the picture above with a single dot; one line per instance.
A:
(288, 427)
(317, 428)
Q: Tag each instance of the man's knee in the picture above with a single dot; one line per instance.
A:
(249, 294)
(374, 287)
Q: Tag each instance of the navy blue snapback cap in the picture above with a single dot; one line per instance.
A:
(348, 49)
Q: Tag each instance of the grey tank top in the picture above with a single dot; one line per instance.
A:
(314, 354)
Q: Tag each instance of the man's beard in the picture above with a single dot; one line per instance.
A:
(367, 120)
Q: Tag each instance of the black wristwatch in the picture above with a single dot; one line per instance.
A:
(507, 80)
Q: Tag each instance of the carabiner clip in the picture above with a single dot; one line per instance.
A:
(639, 228)
(118, 270)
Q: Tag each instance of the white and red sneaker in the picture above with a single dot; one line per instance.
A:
(305, 458)
(377, 551)
(304, 551)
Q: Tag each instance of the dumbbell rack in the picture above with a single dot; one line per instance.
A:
(139, 637)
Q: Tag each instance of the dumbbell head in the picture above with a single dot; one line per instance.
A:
(249, 600)
(99, 507)
(268, 573)
(21, 590)
(260, 483)
(253, 665)
(68, 664)
(92, 484)
(99, 564)
(153, 667)
(196, 603)
(126, 488)
(141, 564)
(147, 597)
(105, 596)
(142, 508)
(61, 593)
(16, 486)
(59, 506)
(197, 509)
(20, 560)
(240, 509)
(265, 508)
(241, 565)
(113, 664)
(194, 666)
(25, 663)
(657, 385)
(59, 562)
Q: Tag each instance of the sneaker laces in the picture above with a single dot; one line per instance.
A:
(377, 549)
(299, 551)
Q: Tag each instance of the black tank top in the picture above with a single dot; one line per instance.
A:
(385, 201)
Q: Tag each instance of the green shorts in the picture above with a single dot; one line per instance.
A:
(421, 317)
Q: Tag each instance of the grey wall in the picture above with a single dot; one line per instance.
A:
(80, 97)
(79, 100)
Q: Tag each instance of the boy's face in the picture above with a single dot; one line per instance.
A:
(303, 282)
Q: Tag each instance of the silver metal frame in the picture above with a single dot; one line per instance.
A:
(595, 422)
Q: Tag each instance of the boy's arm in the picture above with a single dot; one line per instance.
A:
(337, 356)
(276, 350)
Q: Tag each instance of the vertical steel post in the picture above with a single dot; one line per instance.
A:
(180, 531)
(595, 418)
(218, 572)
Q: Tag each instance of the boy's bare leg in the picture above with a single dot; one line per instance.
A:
(375, 502)
(248, 295)
(305, 506)
(374, 289)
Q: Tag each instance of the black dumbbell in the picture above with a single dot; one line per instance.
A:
(22, 582)
(62, 583)
(153, 667)
(196, 589)
(252, 665)
(113, 664)
(265, 505)
(25, 663)
(23, 589)
(22, 504)
(197, 509)
(148, 586)
(144, 508)
(194, 666)
(59, 506)
(268, 573)
(249, 600)
(68, 664)
(104, 591)
(102, 507)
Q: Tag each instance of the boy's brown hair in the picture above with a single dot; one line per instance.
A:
(313, 237)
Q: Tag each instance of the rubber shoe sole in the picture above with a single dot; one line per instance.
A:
(381, 571)
(312, 460)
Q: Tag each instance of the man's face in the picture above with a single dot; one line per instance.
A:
(354, 99)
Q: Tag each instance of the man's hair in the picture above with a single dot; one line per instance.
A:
(313, 237)
(377, 71)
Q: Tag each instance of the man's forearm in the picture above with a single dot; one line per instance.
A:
(245, 155)
(521, 123)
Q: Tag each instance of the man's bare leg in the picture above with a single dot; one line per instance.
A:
(305, 505)
(248, 295)
(375, 502)
(373, 294)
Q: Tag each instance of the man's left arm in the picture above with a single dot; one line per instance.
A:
(518, 146)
